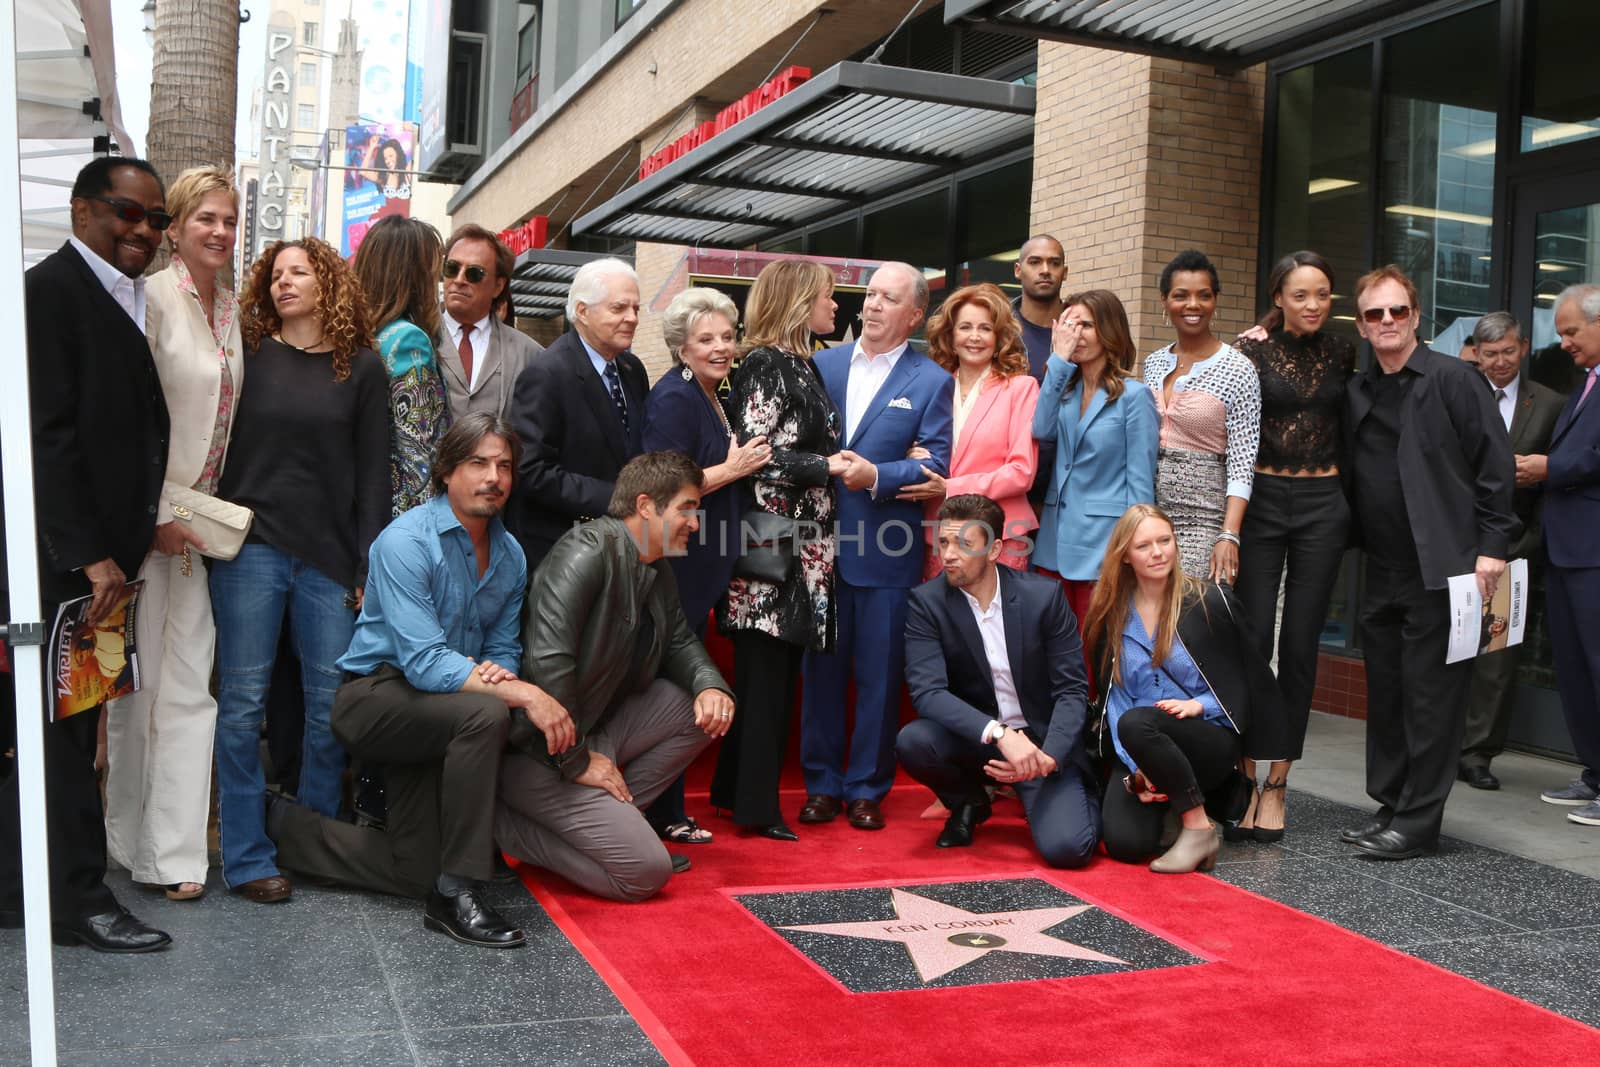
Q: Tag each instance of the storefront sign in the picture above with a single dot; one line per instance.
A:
(274, 188)
(734, 113)
(531, 234)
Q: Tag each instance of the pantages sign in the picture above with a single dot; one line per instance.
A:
(273, 191)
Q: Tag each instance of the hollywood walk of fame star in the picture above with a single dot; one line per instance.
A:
(941, 938)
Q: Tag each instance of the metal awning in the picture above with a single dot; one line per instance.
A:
(541, 278)
(853, 134)
(1230, 35)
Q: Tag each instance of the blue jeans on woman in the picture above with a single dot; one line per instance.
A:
(249, 597)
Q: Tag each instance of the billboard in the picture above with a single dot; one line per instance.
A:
(435, 81)
(420, 15)
(380, 165)
(384, 41)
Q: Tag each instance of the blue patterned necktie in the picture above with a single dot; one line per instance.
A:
(614, 385)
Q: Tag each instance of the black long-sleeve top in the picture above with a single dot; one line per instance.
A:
(1303, 381)
(310, 456)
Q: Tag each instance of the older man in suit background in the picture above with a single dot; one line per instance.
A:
(892, 397)
(479, 355)
(100, 431)
(1529, 411)
(579, 410)
(1570, 474)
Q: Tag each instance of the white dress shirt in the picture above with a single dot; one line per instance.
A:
(867, 375)
(1506, 398)
(992, 628)
(127, 292)
(480, 343)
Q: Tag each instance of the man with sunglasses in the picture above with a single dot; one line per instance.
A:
(100, 450)
(1429, 471)
(479, 355)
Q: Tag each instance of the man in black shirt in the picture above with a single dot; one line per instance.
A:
(1041, 267)
(1430, 474)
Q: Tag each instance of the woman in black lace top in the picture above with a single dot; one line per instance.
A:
(1295, 530)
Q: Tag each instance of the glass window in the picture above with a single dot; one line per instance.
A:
(308, 75)
(626, 8)
(1322, 199)
(528, 44)
(840, 240)
(305, 117)
(1438, 170)
(915, 231)
(994, 224)
(1559, 93)
(308, 35)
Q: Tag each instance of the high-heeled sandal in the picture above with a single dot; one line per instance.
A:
(1269, 836)
(1244, 829)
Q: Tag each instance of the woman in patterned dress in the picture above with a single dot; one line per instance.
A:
(1209, 400)
(398, 267)
(777, 394)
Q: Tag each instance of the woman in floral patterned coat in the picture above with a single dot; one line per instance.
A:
(777, 393)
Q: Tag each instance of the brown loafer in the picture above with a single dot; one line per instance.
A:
(820, 808)
(865, 814)
(267, 890)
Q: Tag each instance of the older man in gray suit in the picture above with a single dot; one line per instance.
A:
(479, 355)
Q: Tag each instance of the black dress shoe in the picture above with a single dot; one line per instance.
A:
(1391, 844)
(820, 808)
(778, 832)
(958, 828)
(865, 814)
(1478, 777)
(1372, 826)
(469, 920)
(110, 931)
(680, 863)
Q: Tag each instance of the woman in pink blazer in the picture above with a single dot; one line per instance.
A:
(975, 337)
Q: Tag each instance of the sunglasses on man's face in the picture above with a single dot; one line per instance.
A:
(128, 211)
(1396, 311)
(474, 273)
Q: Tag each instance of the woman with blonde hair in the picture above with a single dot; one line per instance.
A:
(158, 740)
(310, 457)
(398, 267)
(1186, 694)
(975, 337)
(778, 395)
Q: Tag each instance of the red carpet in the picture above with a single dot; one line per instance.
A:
(1259, 982)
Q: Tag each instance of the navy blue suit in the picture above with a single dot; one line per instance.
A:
(880, 557)
(1572, 583)
(952, 686)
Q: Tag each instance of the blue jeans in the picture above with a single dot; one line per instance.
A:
(249, 595)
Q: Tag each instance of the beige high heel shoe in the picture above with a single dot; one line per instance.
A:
(1194, 850)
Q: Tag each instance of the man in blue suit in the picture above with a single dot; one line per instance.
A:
(1570, 472)
(892, 398)
(996, 670)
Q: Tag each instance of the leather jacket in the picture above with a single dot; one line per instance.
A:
(588, 605)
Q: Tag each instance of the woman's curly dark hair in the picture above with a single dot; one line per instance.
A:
(341, 306)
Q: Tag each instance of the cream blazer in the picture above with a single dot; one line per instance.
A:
(186, 359)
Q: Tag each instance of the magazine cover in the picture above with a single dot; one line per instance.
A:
(1476, 627)
(94, 663)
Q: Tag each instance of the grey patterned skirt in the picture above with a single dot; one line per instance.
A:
(1192, 487)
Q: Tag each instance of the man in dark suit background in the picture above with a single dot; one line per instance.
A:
(579, 409)
(995, 666)
(480, 357)
(100, 429)
(1529, 412)
(1570, 474)
(1429, 469)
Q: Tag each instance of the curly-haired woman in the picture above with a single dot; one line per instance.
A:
(310, 456)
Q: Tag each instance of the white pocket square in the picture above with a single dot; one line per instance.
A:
(901, 402)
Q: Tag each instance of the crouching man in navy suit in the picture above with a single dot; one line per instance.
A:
(996, 671)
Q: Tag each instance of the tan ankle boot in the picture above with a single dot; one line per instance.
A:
(1194, 850)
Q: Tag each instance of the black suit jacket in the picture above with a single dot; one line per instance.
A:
(99, 427)
(573, 443)
(949, 675)
(1456, 470)
(1532, 425)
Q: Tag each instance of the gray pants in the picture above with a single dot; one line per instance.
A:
(582, 832)
(1489, 706)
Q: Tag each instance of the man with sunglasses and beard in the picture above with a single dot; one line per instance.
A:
(479, 355)
(100, 431)
(1429, 471)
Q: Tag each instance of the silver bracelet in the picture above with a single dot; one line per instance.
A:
(1229, 536)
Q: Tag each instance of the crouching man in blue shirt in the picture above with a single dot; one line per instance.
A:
(432, 674)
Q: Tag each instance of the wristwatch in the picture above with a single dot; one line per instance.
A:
(996, 732)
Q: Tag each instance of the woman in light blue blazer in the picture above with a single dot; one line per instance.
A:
(1107, 433)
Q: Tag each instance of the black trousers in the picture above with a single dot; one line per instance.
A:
(1490, 698)
(1572, 600)
(1183, 758)
(1062, 814)
(441, 755)
(75, 828)
(1302, 524)
(750, 762)
(1415, 701)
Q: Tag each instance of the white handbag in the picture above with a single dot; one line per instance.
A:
(220, 525)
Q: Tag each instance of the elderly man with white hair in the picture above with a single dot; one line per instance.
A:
(1570, 474)
(579, 410)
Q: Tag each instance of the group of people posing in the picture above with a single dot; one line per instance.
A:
(496, 564)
